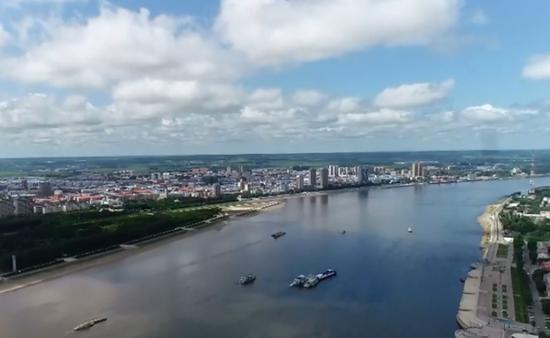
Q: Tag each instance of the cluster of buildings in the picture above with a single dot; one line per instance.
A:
(38, 195)
(333, 176)
(94, 189)
(531, 205)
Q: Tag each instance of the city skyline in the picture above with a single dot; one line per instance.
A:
(90, 78)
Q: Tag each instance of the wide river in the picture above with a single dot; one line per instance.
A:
(390, 283)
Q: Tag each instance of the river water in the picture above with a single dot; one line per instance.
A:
(390, 283)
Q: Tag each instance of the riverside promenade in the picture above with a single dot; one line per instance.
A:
(487, 305)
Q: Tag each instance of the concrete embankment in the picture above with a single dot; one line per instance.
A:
(468, 315)
(481, 312)
(467, 310)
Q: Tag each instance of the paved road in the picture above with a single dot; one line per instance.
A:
(537, 307)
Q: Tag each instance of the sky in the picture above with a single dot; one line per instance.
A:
(140, 77)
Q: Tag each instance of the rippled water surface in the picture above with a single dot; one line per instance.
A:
(390, 283)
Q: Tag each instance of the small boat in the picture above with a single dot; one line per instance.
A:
(326, 274)
(410, 229)
(462, 279)
(298, 281)
(343, 232)
(88, 324)
(278, 234)
(248, 279)
(311, 281)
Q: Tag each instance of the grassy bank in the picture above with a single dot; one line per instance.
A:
(520, 283)
(522, 294)
(502, 251)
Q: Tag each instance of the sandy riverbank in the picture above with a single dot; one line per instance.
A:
(485, 221)
(490, 224)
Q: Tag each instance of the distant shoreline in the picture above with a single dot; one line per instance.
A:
(276, 154)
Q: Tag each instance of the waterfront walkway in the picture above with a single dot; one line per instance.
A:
(487, 304)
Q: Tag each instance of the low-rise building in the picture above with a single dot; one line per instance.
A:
(6, 207)
(23, 205)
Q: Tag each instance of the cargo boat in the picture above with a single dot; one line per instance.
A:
(311, 281)
(298, 281)
(327, 274)
(278, 234)
(88, 324)
(248, 279)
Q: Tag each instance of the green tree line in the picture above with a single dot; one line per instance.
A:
(40, 239)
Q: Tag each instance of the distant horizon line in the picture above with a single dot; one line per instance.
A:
(281, 153)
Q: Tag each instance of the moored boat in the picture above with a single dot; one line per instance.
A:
(311, 281)
(278, 234)
(248, 279)
(326, 274)
(298, 281)
(88, 324)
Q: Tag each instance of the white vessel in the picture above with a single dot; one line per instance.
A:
(410, 229)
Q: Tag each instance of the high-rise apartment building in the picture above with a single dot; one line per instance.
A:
(361, 174)
(45, 189)
(333, 170)
(216, 190)
(312, 177)
(300, 182)
(323, 178)
(417, 170)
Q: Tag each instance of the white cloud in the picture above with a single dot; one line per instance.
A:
(276, 32)
(446, 116)
(156, 120)
(116, 45)
(4, 37)
(266, 98)
(486, 113)
(382, 116)
(413, 95)
(479, 17)
(40, 111)
(11, 3)
(177, 94)
(538, 68)
(308, 97)
(172, 81)
(249, 114)
(344, 105)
